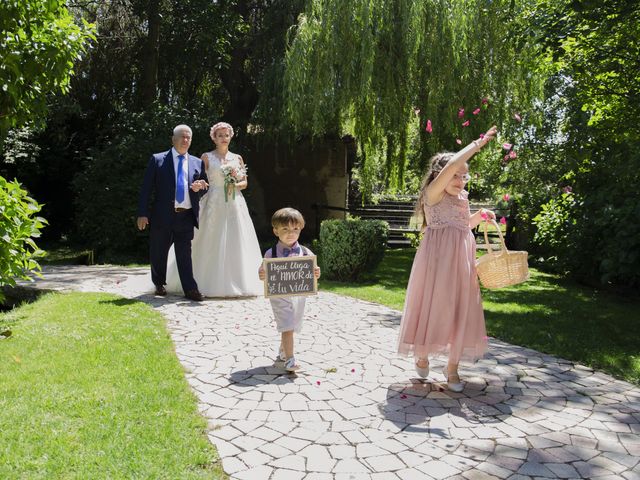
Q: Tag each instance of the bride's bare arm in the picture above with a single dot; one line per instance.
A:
(244, 183)
(205, 160)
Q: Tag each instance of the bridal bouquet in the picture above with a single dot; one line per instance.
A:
(232, 175)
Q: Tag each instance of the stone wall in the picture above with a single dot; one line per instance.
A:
(298, 176)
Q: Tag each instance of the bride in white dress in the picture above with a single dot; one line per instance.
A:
(225, 250)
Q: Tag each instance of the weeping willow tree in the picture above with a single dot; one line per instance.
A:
(380, 69)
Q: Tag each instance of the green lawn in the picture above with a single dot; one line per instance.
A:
(91, 388)
(547, 313)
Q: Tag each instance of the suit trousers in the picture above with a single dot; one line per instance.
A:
(180, 234)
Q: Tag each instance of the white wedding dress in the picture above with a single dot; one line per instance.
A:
(225, 250)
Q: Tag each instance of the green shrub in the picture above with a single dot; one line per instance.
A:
(351, 247)
(414, 238)
(19, 225)
(595, 237)
(555, 234)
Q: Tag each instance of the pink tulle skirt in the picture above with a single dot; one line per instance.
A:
(443, 309)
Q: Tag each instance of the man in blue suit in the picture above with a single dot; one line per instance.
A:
(173, 184)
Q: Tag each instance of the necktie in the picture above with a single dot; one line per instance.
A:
(290, 251)
(180, 184)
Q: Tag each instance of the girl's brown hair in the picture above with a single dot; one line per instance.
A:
(436, 164)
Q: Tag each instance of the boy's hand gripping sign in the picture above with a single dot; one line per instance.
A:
(286, 277)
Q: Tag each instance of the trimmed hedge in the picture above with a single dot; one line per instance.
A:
(350, 247)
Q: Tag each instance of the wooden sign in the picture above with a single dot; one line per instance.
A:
(290, 276)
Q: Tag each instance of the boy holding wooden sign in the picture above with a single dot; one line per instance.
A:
(288, 280)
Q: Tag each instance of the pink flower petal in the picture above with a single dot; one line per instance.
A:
(517, 117)
(460, 112)
(458, 141)
(428, 128)
(317, 382)
(567, 189)
(506, 157)
(484, 215)
(466, 124)
(503, 220)
(512, 154)
(416, 111)
(476, 111)
(506, 197)
(507, 146)
(481, 136)
(485, 101)
(353, 370)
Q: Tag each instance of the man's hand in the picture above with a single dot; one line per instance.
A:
(142, 223)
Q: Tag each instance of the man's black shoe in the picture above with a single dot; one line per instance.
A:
(194, 295)
(160, 290)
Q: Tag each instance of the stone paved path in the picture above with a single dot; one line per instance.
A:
(357, 410)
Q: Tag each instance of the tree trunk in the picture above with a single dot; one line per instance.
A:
(237, 81)
(149, 81)
(243, 94)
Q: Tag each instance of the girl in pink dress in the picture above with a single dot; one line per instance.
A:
(443, 309)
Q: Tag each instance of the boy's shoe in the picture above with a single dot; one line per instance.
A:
(280, 360)
(290, 365)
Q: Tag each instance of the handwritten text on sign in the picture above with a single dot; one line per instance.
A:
(285, 277)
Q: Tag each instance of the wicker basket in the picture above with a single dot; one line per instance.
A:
(501, 269)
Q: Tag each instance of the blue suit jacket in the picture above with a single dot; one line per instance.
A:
(158, 193)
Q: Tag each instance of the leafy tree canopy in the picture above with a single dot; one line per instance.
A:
(596, 46)
(39, 43)
(370, 69)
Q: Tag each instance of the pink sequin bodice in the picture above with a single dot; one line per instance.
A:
(449, 212)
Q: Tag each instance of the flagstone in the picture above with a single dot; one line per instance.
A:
(258, 473)
(384, 463)
(438, 469)
(284, 474)
(290, 462)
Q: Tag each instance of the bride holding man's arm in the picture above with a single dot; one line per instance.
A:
(225, 249)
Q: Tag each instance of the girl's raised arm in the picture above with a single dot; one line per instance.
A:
(435, 190)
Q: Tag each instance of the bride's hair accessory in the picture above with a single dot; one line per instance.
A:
(218, 126)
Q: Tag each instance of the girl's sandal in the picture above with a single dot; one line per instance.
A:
(422, 372)
(453, 386)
